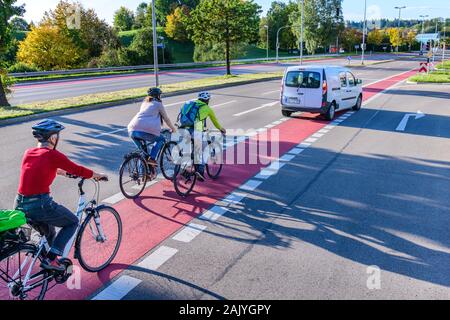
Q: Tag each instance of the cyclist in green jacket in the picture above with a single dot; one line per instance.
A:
(204, 113)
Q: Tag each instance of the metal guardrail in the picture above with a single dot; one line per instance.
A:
(148, 67)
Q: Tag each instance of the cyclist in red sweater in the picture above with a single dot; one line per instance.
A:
(40, 166)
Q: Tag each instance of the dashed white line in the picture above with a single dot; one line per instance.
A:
(118, 289)
(255, 109)
(223, 104)
(109, 133)
(296, 151)
(188, 233)
(250, 185)
(114, 199)
(214, 213)
(157, 258)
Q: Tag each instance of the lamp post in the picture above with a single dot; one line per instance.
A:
(155, 45)
(301, 31)
(278, 41)
(363, 49)
(399, 15)
(267, 33)
(423, 20)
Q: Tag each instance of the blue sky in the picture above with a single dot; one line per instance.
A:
(353, 9)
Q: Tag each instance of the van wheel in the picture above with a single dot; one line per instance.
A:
(286, 113)
(358, 104)
(331, 112)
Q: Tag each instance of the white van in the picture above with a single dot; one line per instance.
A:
(320, 89)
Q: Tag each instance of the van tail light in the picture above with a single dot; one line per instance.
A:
(324, 87)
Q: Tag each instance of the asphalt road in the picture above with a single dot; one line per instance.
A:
(362, 195)
(45, 90)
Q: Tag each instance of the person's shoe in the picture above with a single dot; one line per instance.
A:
(52, 265)
(200, 176)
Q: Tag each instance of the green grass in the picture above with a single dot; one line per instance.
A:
(117, 96)
(443, 65)
(434, 77)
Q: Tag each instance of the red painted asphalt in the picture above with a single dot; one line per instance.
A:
(160, 212)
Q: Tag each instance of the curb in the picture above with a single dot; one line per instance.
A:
(429, 83)
(43, 115)
(371, 64)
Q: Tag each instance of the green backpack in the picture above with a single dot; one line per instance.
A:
(11, 219)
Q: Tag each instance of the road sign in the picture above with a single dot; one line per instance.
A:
(357, 46)
(423, 67)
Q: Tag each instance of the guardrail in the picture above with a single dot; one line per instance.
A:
(149, 67)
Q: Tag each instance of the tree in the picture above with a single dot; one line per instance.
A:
(177, 24)
(411, 38)
(375, 38)
(141, 49)
(49, 48)
(323, 22)
(140, 16)
(226, 22)
(395, 37)
(8, 9)
(124, 19)
(19, 24)
(87, 31)
(350, 38)
(165, 7)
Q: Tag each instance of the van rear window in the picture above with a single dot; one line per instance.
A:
(303, 79)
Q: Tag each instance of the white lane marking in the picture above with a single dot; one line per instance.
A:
(324, 131)
(223, 104)
(287, 157)
(311, 140)
(118, 289)
(109, 133)
(270, 126)
(255, 109)
(304, 145)
(317, 135)
(329, 127)
(250, 185)
(296, 151)
(114, 199)
(235, 197)
(188, 233)
(214, 213)
(277, 122)
(157, 258)
(402, 125)
(261, 130)
(174, 104)
(270, 92)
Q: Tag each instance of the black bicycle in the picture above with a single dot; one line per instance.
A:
(136, 170)
(96, 244)
(185, 175)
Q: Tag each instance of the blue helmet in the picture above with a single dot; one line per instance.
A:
(46, 128)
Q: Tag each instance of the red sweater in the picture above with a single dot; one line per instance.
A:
(39, 166)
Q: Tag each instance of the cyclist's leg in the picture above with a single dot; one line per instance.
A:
(198, 151)
(138, 138)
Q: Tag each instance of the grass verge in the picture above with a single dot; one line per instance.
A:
(117, 96)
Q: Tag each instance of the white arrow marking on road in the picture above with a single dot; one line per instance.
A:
(404, 122)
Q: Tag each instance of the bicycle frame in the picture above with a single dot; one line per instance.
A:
(43, 243)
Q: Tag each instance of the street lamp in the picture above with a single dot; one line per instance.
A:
(301, 31)
(278, 40)
(363, 49)
(399, 15)
(155, 45)
(423, 20)
(267, 32)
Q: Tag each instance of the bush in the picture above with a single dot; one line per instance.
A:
(20, 67)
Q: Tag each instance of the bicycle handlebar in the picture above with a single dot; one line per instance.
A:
(71, 176)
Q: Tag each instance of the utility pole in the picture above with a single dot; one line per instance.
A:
(301, 31)
(399, 15)
(423, 21)
(364, 32)
(155, 45)
(267, 32)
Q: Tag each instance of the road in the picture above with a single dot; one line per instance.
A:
(49, 90)
(361, 194)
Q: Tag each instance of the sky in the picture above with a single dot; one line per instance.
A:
(353, 9)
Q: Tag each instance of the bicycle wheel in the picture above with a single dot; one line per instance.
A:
(166, 161)
(99, 239)
(133, 176)
(184, 179)
(14, 266)
(214, 164)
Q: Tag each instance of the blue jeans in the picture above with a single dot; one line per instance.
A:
(141, 139)
(42, 210)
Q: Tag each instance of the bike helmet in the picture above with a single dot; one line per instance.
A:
(46, 128)
(204, 96)
(154, 92)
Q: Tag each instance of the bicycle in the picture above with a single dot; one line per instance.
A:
(185, 175)
(135, 171)
(21, 276)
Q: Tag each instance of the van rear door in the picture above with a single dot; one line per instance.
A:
(293, 95)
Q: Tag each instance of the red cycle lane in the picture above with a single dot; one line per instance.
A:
(160, 212)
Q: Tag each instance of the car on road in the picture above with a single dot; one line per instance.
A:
(320, 89)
